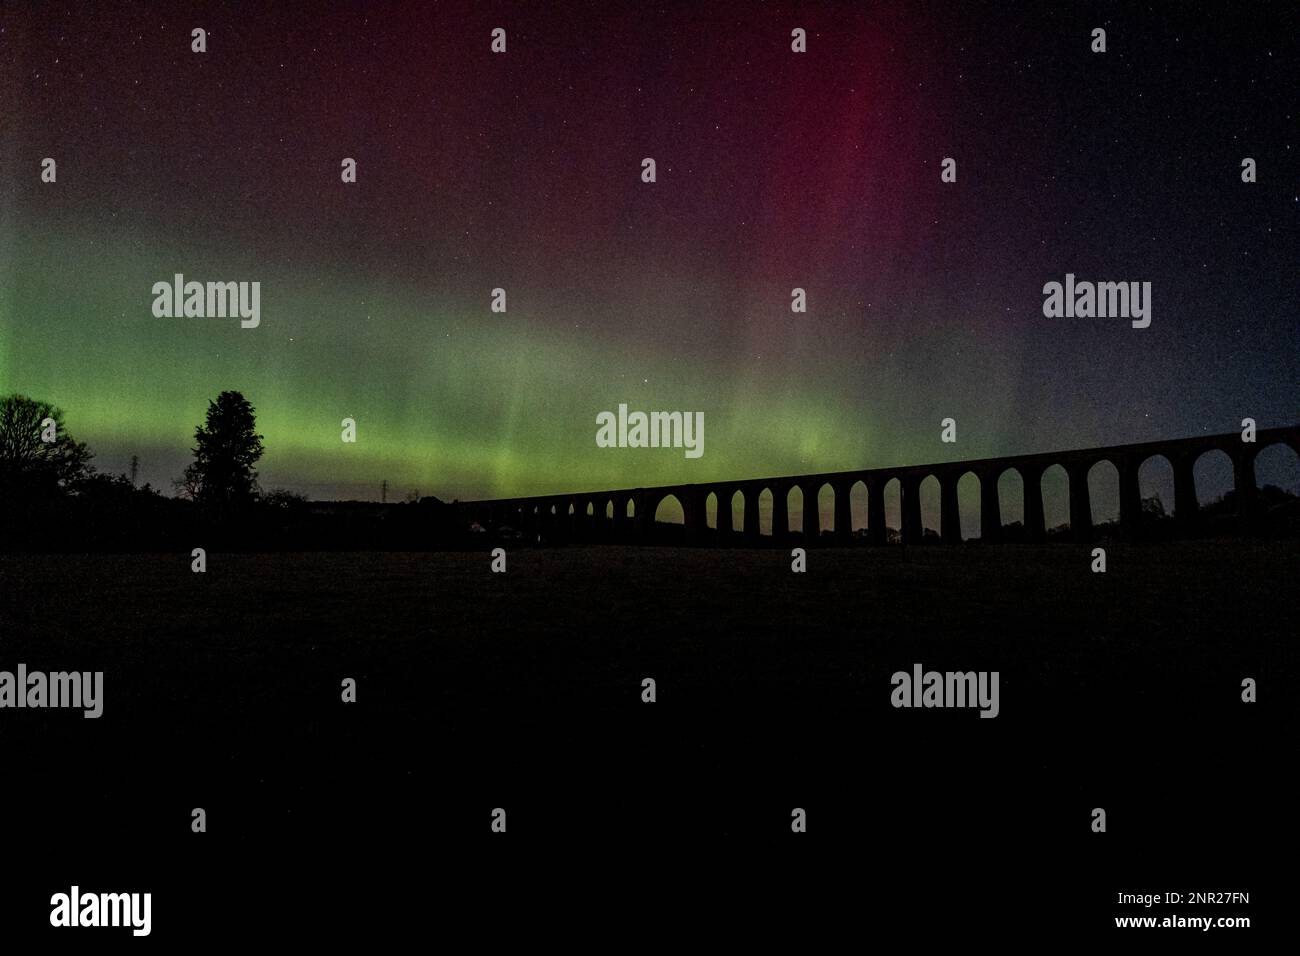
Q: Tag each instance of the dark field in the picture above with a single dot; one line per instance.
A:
(522, 690)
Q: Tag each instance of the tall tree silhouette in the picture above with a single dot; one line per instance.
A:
(226, 449)
(37, 455)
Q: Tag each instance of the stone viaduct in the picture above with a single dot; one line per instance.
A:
(628, 514)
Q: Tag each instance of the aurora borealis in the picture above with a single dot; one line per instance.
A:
(521, 171)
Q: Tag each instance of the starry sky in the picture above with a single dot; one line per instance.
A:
(522, 171)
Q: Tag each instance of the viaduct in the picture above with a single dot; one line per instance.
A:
(628, 514)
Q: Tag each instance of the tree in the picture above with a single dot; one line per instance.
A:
(226, 449)
(1153, 507)
(285, 500)
(29, 463)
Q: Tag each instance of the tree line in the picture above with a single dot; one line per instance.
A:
(52, 495)
(52, 498)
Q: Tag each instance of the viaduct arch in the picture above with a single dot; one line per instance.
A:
(627, 514)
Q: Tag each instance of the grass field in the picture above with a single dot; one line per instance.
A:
(523, 690)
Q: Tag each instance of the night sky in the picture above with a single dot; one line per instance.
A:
(522, 171)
